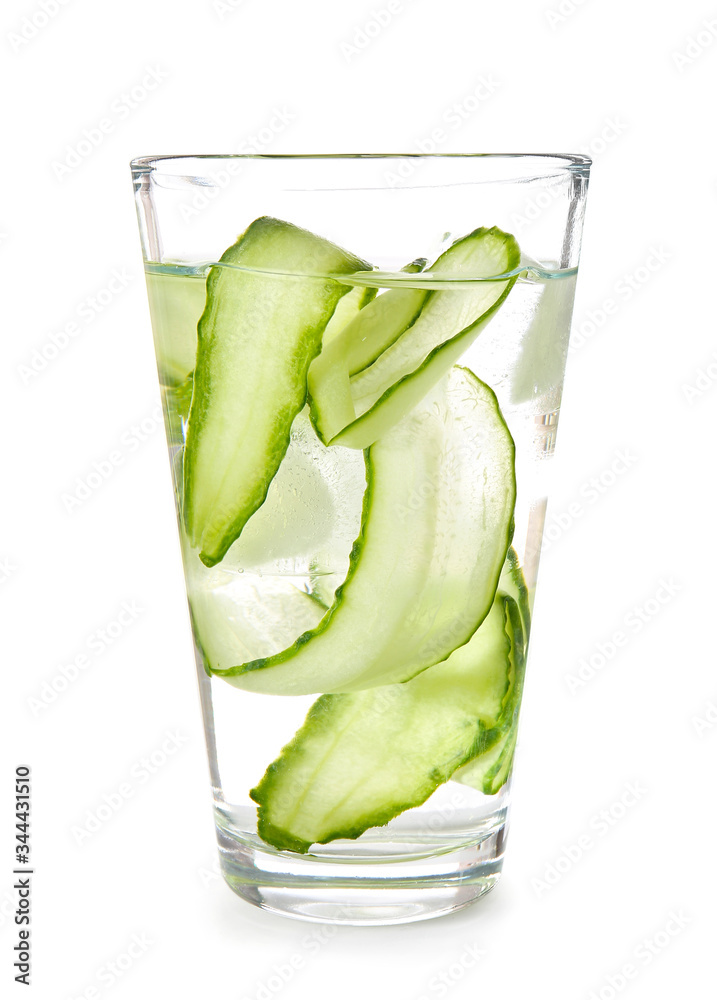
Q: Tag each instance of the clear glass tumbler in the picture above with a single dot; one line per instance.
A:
(361, 361)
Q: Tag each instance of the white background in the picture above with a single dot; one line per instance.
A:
(602, 77)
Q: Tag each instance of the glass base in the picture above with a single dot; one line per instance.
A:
(366, 891)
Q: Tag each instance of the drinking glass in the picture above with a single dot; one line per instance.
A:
(361, 361)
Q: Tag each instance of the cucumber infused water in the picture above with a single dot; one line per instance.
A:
(278, 579)
(359, 449)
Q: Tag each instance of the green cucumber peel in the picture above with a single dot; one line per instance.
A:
(258, 334)
(355, 348)
(425, 567)
(354, 404)
(491, 766)
(361, 759)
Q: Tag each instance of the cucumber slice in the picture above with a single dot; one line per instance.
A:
(245, 612)
(176, 301)
(355, 348)
(353, 404)
(257, 337)
(254, 603)
(312, 510)
(361, 759)
(491, 766)
(437, 522)
(497, 775)
(347, 310)
(512, 583)
(370, 333)
(490, 770)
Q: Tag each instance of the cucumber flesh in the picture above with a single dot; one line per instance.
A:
(361, 759)
(498, 774)
(356, 347)
(243, 612)
(347, 310)
(371, 332)
(512, 583)
(491, 766)
(425, 567)
(247, 607)
(257, 336)
(312, 511)
(490, 770)
(355, 410)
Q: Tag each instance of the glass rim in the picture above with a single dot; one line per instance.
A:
(560, 161)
